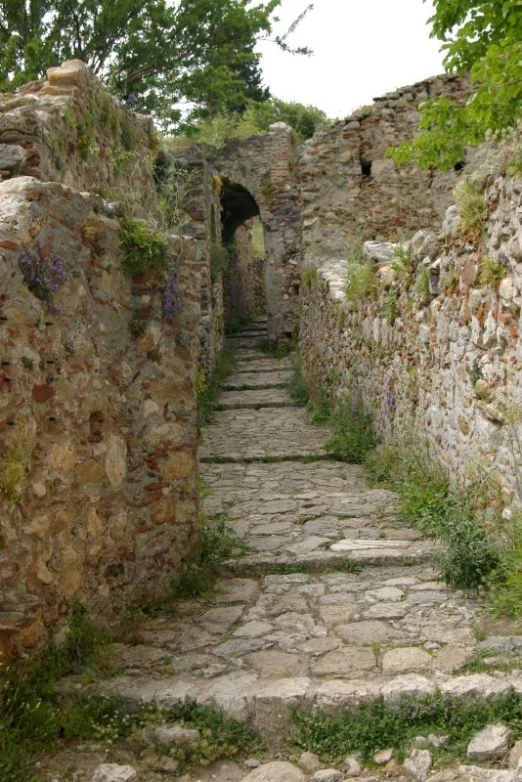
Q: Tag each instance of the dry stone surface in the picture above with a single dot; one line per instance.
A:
(336, 602)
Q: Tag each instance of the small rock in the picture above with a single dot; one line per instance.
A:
(383, 756)
(515, 755)
(439, 741)
(278, 771)
(172, 734)
(111, 772)
(491, 743)
(328, 775)
(418, 765)
(353, 767)
(252, 763)
(309, 762)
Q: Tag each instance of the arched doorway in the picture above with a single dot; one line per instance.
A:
(244, 273)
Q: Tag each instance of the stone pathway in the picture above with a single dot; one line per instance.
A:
(335, 602)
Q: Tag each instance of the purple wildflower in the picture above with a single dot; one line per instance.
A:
(171, 296)
(43, 273)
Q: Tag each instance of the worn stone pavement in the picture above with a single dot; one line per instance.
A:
(335, 602)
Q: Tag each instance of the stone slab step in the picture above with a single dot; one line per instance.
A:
(253, 398)
(263, 365)
(327, 559)
(268, 704)
(263, 434)
(251, 380)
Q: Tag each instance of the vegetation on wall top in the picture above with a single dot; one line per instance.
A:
(482, 38)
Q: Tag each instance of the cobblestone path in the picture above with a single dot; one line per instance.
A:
(336, 601)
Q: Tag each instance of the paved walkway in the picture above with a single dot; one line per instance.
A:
(335, 602)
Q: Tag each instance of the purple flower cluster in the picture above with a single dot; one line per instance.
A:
(43, 273)
(389, 402)
(171, 296)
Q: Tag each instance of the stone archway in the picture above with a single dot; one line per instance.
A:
(244, 280)
(258, 178)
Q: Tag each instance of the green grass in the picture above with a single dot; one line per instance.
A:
(372, 726)
(297, 386)
(453, 514)
(352, 433)
(208, 389)
(33, 717)
(219, 542)
(221, 736)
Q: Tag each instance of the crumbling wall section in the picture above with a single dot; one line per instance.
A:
(350, 190)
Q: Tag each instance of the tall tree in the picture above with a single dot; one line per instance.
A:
(484, 39)
(196, 52)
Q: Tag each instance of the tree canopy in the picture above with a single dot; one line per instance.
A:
(198, 53)
(484, 39)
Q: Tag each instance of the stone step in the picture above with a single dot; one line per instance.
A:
(253, 399)
(268, 704)
(261, 647)
(249, 435)
(319, 561)
(251, 383)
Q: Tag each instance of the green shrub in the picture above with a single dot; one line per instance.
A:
(219, 542)
(144, 250)
(491, 272)
(297, 386)
(470, 553)
(371, 726)
(361, 282)
(32, 717)
(309, 277)
(472, 208)
(353, 436)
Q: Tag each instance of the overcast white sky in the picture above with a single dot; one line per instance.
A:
(362, 49)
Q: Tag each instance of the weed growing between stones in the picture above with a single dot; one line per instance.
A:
(219, 542)
(472, 207)
(297, 386)
(492, 272)
(362, 282)
(145, 251)
(352, 432)
(275, 350)
(376, 725)
(208, 388)
(454, 515)
(236, 325)
(309, 277)
(221, 736)
(506, 590)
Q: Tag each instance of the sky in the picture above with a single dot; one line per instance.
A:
(362, 49)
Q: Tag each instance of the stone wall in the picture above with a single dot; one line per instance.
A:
(69, 129)
(439, 349)
(350, 190)
(98, 444)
